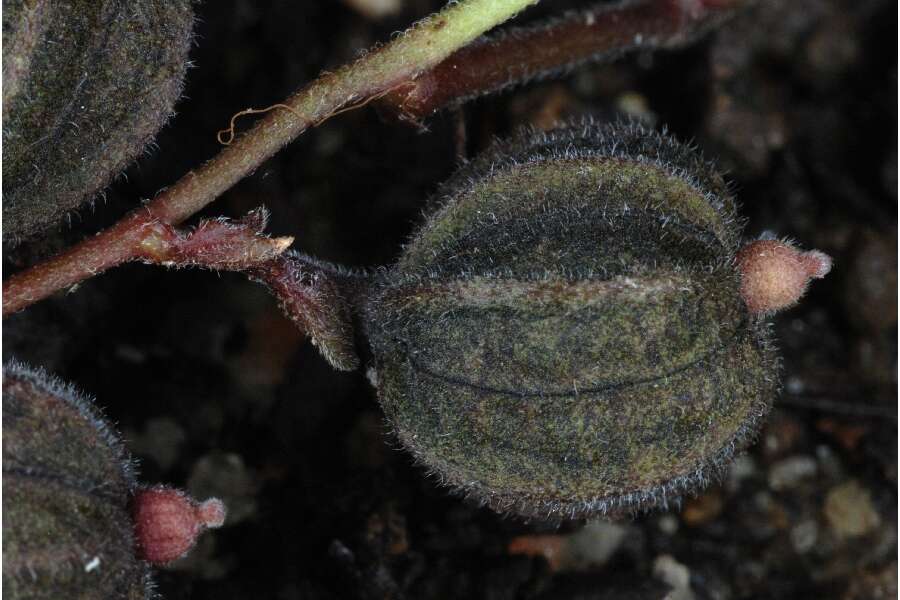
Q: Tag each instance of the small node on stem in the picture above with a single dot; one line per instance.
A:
(167, 522)
(218, 244)
(775, 274)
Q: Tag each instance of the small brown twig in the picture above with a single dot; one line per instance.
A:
(423, 46)
(519, 55)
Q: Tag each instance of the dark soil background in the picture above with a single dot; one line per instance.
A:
(215, 391)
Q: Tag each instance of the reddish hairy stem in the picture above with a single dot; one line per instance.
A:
(215, 244)
(94, 255)
(519, 55)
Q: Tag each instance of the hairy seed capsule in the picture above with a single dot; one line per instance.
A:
(564, 336)
(75, 523)
(86, 86)
(67, 532)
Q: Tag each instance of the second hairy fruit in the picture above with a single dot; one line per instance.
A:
(76, 523)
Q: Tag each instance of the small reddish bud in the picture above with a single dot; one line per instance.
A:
(167, 522)
(774, 274)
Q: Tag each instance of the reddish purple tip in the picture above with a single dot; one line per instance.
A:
(775, 274)
(167, 522)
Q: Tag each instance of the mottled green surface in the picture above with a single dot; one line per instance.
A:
(66, 483)
(86, 86)
(565, 337)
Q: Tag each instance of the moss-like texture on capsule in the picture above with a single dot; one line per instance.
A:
(564, 336)
(86, 85)
(67, 479)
